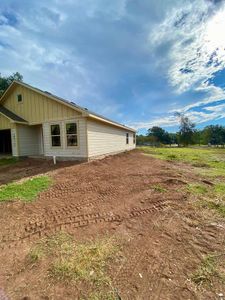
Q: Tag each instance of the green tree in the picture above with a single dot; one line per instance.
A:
(214, 135)
(6, 81)
(187, 129)
(159, 135)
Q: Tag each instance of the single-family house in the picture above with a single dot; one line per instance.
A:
(37, 123)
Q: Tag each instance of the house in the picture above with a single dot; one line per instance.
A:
(36, 123)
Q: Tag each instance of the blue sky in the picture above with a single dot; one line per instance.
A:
(136, 62)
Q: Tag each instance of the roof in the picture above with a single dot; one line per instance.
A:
(10, 115)
(85, 112)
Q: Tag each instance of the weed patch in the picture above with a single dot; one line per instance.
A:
(70, 261)
(159, 188)
(198, 189)
(8, 161)
(217, 207)
(25, 191)
(207, 271)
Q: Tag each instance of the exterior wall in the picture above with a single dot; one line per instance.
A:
(4, 123)
(28, 140)
(36, 108)
(77, 152)
(106, 139)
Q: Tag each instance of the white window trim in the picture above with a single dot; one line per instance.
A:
(60, 135)
(77, 134)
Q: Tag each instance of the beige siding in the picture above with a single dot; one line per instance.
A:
(36, 108)
(75, 152)
(105, 139)
(4, 122)
(28, 140)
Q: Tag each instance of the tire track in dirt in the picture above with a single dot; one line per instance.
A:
(65, 218)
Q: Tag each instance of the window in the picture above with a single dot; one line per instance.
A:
(19, 98)
(55, 135)
(127, 138)
(134, 138)
(71, 134)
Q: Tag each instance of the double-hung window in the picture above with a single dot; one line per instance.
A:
(127, 138)
(55, 135)
(134, 138)
(71, 134)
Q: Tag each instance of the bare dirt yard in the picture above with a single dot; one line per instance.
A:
(167, 246)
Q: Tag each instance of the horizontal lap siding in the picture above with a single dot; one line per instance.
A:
(105, 139)
(80, 151)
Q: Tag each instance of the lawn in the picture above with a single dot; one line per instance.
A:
(8, 161)
(26, 191)
(210, 161)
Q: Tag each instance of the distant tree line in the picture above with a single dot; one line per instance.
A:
(7, 80)
(187, 135)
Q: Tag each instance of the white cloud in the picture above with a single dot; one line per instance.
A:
(197, 50)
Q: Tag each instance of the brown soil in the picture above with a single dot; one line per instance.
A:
(164, 235)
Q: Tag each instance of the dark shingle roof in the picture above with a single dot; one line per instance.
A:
(9, 114)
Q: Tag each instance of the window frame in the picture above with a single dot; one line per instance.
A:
(127, 138)
(134, 138)
(55, 135)
(71, 134)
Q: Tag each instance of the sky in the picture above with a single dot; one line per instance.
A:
(134, 61)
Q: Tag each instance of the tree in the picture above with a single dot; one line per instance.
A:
(159, 135)
(187, 129)
(6, 81)
(214, 135)
(156, 132)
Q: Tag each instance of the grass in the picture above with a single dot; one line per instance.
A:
(69, 261)
(8, 161)
(208, 270)
(197, 189)
(26, 191)
(159, 188)
(218, 207)
(211, 162)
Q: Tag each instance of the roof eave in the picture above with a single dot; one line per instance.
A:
(111, 122)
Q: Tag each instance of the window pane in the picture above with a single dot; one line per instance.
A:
(55, 129)
(19, 98)
(127, 138)
(71, 128)
(56, 141)
(71, 140)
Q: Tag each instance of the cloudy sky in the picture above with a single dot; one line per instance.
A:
(135, 61)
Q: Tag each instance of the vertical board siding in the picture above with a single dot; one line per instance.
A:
(29, 139)
(36, 108)
(79, 151)
(4, 123)
(105, 139)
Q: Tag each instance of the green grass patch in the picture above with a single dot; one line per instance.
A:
(26, 191)
(219, 188)
(8, 161)
(72, 261)
(218, 207)
(210, 161)
(208, 270)
(159, 188)
(197, 189)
